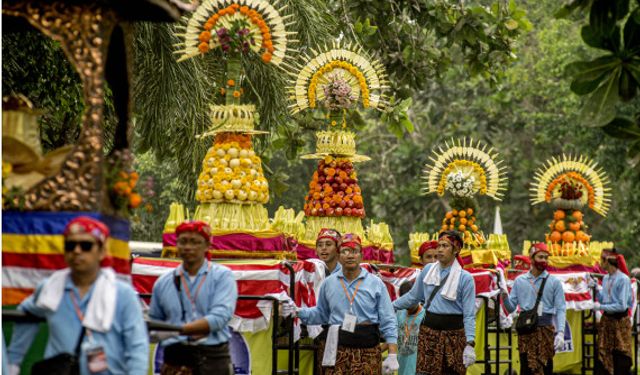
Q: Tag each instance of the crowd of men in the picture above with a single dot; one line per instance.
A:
(96, 323)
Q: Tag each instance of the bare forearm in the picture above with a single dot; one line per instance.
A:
(393, 349)
(197, 327)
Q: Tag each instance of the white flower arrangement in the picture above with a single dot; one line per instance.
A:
(461, 185)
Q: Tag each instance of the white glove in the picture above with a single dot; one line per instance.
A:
(390, 365)
(591, 282)
(14, 370)
(558, 342)
(289, 308)
(468, 356)
(596, 305)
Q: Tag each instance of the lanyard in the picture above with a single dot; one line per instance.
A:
(409, 327)
(193, 298)
(349, 297)
(79, 313)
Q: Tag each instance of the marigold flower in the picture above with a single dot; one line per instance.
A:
(231, 83)
(236, 93)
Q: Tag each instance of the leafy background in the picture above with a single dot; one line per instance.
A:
(532, 79)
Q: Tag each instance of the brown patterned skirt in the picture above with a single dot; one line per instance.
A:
(613, 334)
(440, 352)
(538, 347)
(356, 361)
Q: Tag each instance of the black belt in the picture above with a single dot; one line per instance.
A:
(443, 322)
(616, 314)
(180, 354)
(364, 336)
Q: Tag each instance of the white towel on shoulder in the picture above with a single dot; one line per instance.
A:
(450, 289)
(102, 305)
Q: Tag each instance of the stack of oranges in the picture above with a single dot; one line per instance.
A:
(567, 229)
(462, 220)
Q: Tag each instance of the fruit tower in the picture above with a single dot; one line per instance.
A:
(335, 80)
(569, 184)
(232, 187)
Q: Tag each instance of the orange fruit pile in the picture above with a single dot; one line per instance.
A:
(463, 221)
(566, 228)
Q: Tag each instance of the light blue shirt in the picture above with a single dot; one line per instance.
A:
(215, 302)
(335, 270)
(615, 295)
(126, 344)
(525, 291)
(408, 345)
(465, 303)
(372, 304)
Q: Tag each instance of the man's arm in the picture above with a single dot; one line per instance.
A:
(511, 299)
(469, 306)
(318, 314)
(24, 333)
(387, 318)
(135, 338)
(620, 294)
(560, 306)
(415, 295)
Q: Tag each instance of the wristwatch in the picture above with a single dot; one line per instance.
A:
(471, 344)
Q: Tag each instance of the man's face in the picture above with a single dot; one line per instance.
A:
(191, 247)
(350, 258)
(429, 256)
(326, 250)
(83, 253)
(445, 252)
(541, 257)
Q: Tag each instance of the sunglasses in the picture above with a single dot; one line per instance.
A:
(85, 246)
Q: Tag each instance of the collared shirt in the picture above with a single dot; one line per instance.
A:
(615, 295)
(126, 344)
(337, 269)
(465, 303)
(371, 304)
(215, 301)
(525, 291)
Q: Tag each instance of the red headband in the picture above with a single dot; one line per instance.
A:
(352, 241)
(428, 245)
(331, 234)
(199, 227)
(453, 240)
(540, 247)
(622, 264)
(87, 225)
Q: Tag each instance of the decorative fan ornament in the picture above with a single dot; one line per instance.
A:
(336, 78)
(571, 182)
(465, 169)
(237, 26)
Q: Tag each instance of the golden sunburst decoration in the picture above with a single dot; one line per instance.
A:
(264, 20)
(349, 64)
(465, 168)
(572, 181)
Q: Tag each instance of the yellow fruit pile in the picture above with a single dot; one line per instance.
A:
(567, 229)
(463, 221)
(232, 172)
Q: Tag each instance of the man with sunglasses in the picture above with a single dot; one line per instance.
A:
(86, 307)
(355, 307)
(200, 296)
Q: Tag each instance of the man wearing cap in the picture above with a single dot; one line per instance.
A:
(538, 347)
(614, 329)
(200, 296)
(356, 308)
(327, 250)
(88, 311)
(447, 333)
(427, 252)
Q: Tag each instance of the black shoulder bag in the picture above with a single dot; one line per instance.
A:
(61, 364)
(528, 320)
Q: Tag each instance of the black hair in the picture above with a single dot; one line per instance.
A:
(405, 287)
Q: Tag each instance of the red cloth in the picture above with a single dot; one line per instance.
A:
(331, 234)
(522, 262)
(199, 227)
(538, 248)
(622, 264)
(87, 225)
(428, 245)
(351, 240)
(453, 237)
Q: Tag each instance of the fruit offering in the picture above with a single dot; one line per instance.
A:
(232, 172)
(464, 221)
(567, 227)
(334, 190)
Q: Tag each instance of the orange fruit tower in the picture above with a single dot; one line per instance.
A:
(569, 184)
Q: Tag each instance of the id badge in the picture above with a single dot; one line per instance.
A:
(96, 359)
(349, 323)
(540, 308)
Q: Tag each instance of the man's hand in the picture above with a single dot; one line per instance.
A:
(390, 365)
(469, 356)
(558, 342)
(289, 308)
(596, 305)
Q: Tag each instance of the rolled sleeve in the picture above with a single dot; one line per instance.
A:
(224, 302)
(469, 306)
(388, 322)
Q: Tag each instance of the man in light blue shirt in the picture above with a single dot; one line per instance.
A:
(614, 330)
(447, 292)
(201, 297)
(537, 348)
(327, 250)
(357, 307)
(116, 332)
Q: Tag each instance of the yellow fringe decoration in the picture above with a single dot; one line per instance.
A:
(286, 221)
(229, 216)
(343, 224)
